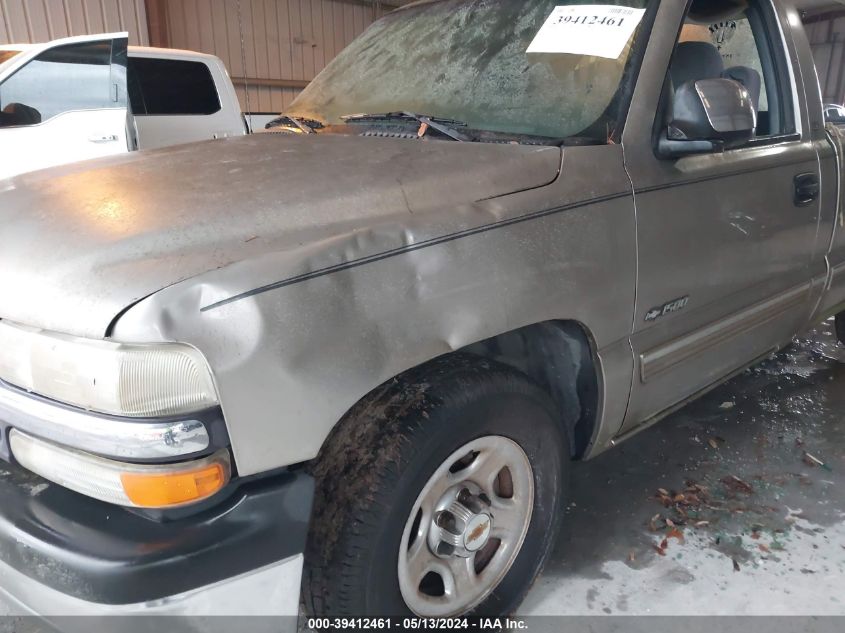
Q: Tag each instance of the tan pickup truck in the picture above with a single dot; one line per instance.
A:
(489, 239)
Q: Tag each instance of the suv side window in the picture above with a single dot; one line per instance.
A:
(744, 46)
(63, 79)
(171, 87)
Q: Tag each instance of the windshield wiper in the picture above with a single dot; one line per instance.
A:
(307, 126)
(444, 126)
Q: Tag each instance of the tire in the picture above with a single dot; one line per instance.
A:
(378, 467)
(840, 327)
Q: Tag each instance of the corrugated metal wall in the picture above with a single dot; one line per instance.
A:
(24, 21)
(827, 37)
(286, 42)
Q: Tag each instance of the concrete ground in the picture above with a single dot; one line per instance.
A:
(760, 528)
(759, 523)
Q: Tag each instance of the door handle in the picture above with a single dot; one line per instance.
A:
(103, 138)
(807, 188)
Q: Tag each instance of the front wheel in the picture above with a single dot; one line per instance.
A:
(438, 496)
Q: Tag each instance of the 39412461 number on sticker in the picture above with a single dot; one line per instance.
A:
(599, 30)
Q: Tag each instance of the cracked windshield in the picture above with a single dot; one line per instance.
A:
(493, 65)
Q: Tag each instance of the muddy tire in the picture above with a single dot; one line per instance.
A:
(458, 469)
(840, 327)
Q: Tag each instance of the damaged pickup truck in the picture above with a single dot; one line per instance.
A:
(355, 357)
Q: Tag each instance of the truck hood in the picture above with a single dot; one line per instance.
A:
(83, 242)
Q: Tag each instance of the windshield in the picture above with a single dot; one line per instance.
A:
(469, 60)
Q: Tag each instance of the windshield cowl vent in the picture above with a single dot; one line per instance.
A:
(406, 135)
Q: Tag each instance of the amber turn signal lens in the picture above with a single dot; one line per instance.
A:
(171, 489)
(133, 485)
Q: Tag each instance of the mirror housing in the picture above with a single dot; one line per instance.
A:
(709, 115)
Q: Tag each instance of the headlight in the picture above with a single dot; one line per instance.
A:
(113, 378)
(133, 485)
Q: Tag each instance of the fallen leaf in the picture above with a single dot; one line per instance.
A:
(670, 523)
(663, 492)
(632, 556)
(675, 533)
(713, 443)
(652, 524)
(727, 405)
(736, 484)
(763, 548)
(702, 524)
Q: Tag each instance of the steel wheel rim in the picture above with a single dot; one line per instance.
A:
(467, 527)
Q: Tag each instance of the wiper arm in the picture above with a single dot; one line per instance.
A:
(444, 126)
(307, 126)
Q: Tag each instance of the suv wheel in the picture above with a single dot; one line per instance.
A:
(438, 495)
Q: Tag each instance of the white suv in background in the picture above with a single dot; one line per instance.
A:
(85, 97)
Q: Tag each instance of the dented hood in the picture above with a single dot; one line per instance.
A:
(81, 243)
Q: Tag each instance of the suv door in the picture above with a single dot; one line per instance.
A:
(725, 240)
(63, 103)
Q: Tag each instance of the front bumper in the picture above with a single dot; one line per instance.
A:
(64, 554)
(269, 592)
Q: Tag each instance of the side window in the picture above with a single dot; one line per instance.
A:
(62, 79)
(745, 46)
(171, 87)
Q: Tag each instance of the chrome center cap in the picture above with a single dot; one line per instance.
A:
(461, 525)
(477, 532)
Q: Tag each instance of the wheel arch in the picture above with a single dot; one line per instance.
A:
(560, 357)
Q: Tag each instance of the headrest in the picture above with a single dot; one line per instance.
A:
(694, 61)
(20, 114)
(708, 11)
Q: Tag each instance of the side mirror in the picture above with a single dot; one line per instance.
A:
(709, 115)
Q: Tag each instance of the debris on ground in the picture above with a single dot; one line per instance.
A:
(701, 507)
(812, 460)
(735, 484)
(725, 406)
(675, 533)
(716, 442)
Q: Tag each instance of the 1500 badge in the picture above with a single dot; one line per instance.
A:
(669, 308)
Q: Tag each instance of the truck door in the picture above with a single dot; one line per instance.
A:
(726, 239)
(180, 97)
(63, 102)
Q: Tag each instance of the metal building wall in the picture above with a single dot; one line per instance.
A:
(286, 42)
(826, 32)
(26, 21)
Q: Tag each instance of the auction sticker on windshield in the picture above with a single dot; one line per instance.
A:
(599, 30)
